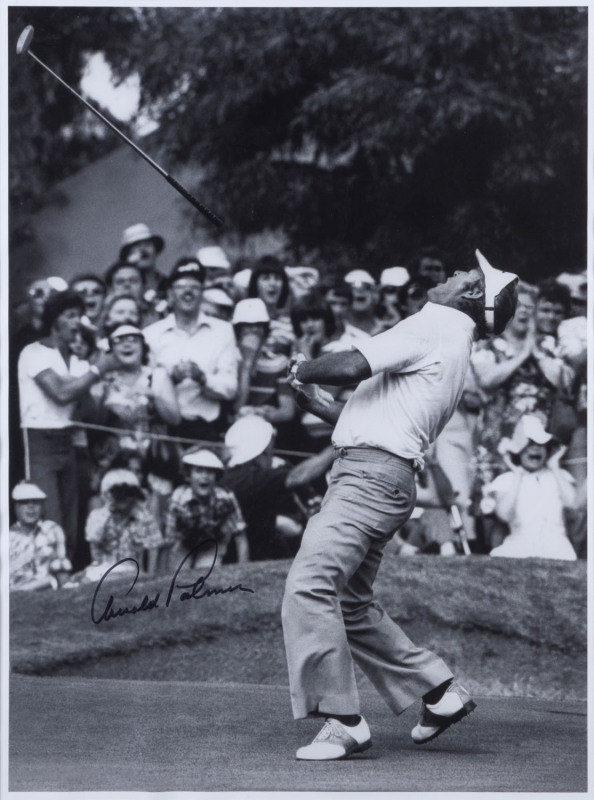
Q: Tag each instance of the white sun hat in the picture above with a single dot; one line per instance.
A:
(119, 477)
(140, 233)
(495, 281)
(218, 297)
(213, 256)
(202, 457)
(248, 438)
(25, 490)
(394, 276)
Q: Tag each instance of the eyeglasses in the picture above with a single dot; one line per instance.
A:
(127, 338)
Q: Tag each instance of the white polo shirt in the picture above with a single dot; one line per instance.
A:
(418, 369)
(212, 346)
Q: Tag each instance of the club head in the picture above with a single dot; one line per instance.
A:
(25, 40)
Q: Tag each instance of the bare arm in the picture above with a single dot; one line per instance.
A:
(310, 469)
(63, 389)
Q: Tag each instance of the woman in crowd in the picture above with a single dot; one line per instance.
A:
(137, 398)
(122, 310)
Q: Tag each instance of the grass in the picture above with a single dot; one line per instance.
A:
(505, 627)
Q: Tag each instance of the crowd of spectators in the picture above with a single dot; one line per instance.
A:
(153, 420)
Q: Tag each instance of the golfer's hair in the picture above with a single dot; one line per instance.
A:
(505, 307)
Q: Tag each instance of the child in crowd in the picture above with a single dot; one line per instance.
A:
(37, 550)
(532, 495)
(200, 510)
(124, 527)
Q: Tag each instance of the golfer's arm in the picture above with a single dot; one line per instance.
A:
(322, 405)
(334, 369)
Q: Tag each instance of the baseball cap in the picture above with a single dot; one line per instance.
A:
(25, 490)
(495, 281)
(187, 268)
(529, 428)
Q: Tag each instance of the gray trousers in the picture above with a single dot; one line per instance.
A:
(329, 613)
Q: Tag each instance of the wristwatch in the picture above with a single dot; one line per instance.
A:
(294, 373)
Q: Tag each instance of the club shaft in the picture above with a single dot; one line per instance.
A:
(210, 215)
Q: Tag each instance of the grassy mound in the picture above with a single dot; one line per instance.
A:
(504, 626)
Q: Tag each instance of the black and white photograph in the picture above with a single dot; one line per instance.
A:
(296, 339)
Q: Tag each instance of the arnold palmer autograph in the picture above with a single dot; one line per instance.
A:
(104, 611)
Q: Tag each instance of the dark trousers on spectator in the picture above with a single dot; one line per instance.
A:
(53, 467)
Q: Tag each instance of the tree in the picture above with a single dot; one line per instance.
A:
(364, 133)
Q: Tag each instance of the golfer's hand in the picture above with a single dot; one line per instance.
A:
(554, 461)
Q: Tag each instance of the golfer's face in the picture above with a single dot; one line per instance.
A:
(460, 284)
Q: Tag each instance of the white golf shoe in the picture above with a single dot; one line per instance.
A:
(336, 741)
(435, 718)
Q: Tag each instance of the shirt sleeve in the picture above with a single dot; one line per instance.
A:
(224, 380)
(400, 349)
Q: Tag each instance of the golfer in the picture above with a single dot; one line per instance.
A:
(410, 380)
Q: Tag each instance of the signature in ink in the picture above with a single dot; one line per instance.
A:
(192, 591)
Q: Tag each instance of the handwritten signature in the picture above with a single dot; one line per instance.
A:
(197, 589)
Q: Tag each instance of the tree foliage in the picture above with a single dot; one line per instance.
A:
(364, 133)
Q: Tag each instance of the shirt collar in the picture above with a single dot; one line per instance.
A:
(449, 316)
(204, 320)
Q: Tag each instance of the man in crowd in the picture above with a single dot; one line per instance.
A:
(411, 378)
(140, 246)
(199, 353)
(51, 381)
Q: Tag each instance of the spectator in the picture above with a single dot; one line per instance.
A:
(138, 398)
(51, 381)
(217, 303)
(338, 295)
(199, 353)
(217, 269)
(141, 247)
(37, 550)
(124, 527)
(129, 280)
(388, 310)
(124, 309)
(25, 328)
(412, 296)
(432, 263)
(92, 289)
(361, 313)
(532, 495)
(269, 283)
(262, 489)
(200, 510)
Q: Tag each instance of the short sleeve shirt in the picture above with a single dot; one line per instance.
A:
(418, 373)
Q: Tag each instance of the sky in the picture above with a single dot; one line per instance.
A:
(121, 100)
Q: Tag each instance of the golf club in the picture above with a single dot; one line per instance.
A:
(23, 46)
